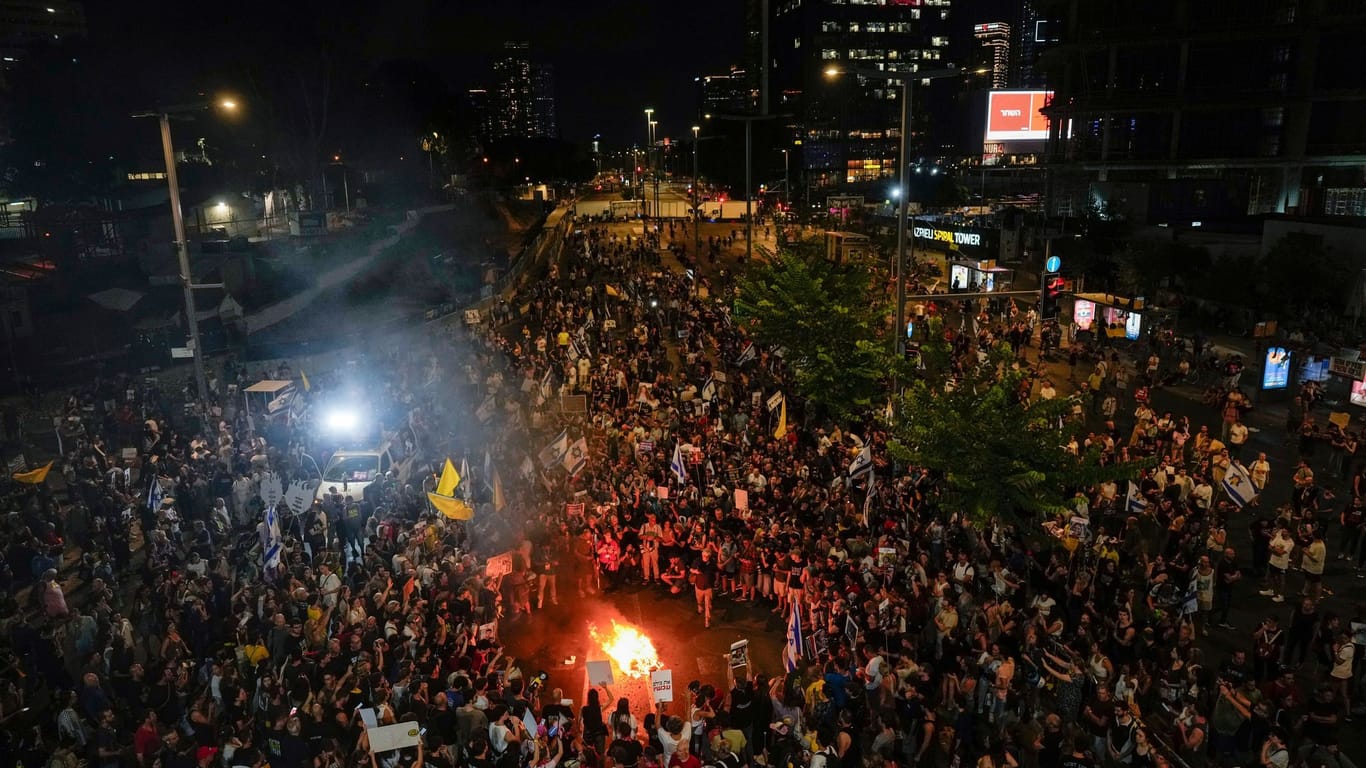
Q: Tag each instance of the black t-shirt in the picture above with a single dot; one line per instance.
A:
(1105, 710)
(1075, 761)
(705, 576)
(625, 752)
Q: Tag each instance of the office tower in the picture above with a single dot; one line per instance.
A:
(994, 38)
(522, 104)
(847, 129)
(1215, 108)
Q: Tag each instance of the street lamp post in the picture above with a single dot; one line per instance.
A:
(903, 187)
(696, 202)
(649, 148)
(182, 246)
(787, 193)
(658, 166)
(748, 120)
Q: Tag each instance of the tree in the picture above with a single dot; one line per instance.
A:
(999, 456)
(1302, 277)
(827, 320)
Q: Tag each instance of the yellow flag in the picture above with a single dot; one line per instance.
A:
(781, 431)
(33, 476)
(450, 479)
(453, 508)
(303, 378)
(498, 499)
(612, 291)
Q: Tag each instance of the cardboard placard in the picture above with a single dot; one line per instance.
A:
(662, 685)
(498, 565)
(739, 654)
(472, 317)
(386, 738)
(128, 454)
(741, 499)
(662, 492)
(600, 673)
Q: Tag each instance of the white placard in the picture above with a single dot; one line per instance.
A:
(272, 490)
(739, 654)
(662, 492)
(368, 719)
(299, 496)
(386, 738)
(741, 499)
(662, 684)
(775, 400)
(600, 673)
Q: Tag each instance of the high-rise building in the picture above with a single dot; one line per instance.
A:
(522, 104)
(543, 102)
(27, 23)
(725, 94)
(848, 129)
(994, 38)
(1207, 109)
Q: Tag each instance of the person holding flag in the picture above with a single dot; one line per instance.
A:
(677, 466)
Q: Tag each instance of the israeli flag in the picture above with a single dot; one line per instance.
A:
(792, 654)
(709, 390)
(747, 354)
(1134, 499)
(274, 545)
(1238, 484)
(862, 463)
(554, 453)
(1190, 603)
(677, 466)
(155, 495)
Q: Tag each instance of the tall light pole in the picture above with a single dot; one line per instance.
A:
(748, 120)
(903, 187)
(659, 166)
(787, 193)
(696, 202)
(182, 246)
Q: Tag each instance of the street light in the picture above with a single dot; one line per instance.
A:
(696, 201)
(903, 188)
(748, 120)
(163, 116)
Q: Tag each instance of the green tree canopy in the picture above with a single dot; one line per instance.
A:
(1000, 457)
(829, 322)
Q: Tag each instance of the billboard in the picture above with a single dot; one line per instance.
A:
(1015, 116)
(1276, 369)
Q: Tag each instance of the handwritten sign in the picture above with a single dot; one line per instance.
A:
(662, 685)
(498, 565)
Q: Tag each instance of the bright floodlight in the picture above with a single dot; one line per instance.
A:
(341, 420)
(227, 104)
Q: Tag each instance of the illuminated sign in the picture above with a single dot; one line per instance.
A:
(949, 236)
(1276, 369)
(1015, 115)
(1083, 314)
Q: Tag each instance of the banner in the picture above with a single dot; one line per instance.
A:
(600, 673)
(387, 738)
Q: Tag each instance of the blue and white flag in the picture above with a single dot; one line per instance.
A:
(273, 546)
(488, 471)
(709, 390)
(1190, 603)
(155, 495)
(677, 466)
(1134, 500)
(862, 463)
(792, 653)
(464, 472)
(1238, 484)
(554, 453)
(747, 354)
(576, 457)
(868, 500)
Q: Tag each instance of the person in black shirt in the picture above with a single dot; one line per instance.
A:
(704, 580)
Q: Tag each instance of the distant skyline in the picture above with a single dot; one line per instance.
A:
(612, 58)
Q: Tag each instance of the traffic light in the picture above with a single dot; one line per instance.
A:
(1050, 296)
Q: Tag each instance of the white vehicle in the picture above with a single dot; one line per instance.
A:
(352, 471)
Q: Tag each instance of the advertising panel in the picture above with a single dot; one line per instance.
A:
(1276, 369)
(1083, 314)
(1015, 116)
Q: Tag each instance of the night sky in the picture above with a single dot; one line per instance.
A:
(613, 58)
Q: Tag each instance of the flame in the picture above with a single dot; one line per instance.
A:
(632, 651)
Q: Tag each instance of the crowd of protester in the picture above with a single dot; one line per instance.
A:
(927, 639)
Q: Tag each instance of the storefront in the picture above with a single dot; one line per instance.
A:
(1113, 317)
(975, 276)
